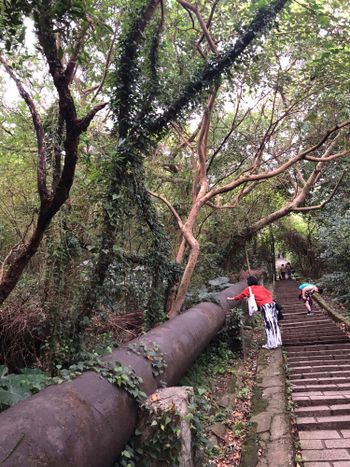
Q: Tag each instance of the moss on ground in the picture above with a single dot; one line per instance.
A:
(250, 450)
(250, 454)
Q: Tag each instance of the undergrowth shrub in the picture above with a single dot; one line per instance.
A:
(207, 292)
(23, 327)
(216, 360)
(15, 387)
(338, 284)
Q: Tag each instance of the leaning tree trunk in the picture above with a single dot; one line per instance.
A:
(186, 278)
(151, 129)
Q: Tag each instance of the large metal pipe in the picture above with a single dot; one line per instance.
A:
(87, 422)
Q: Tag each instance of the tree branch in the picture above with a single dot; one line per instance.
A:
(206, 33)
(107, 64)
(39, 130)
(72, 63)
(342, 153)
(171, 208)
(281, 168)
(323, 203)
(216, 67)
(84, 122)
(209, 20)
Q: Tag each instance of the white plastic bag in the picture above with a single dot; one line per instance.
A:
(252, 306)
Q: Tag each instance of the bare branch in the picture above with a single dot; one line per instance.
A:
(234, 126)
(244, 192)
(108, 62)
(7, 257)
(202, 146)
(272, 173)
(72, 63)
(206, 33)
(84, 123)
(200, 226)
(209, 20)
(6, 130)
(323, 203)
(186, 140)
(342, 153)
(171, 208)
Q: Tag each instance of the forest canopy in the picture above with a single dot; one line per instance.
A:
(147, 146)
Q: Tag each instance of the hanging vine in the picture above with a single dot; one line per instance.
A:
(141, 114)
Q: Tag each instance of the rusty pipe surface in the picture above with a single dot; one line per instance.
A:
(87, 422)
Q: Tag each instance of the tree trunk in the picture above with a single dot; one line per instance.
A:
(185, 280)
(247, 258)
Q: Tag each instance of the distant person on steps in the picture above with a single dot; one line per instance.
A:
(306, 292)
(282, 271)
(268, 309)
(288, 271)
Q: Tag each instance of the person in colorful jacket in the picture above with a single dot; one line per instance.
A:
(305, 294)
(268, 309)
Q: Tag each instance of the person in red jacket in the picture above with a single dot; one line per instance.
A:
(267, 306)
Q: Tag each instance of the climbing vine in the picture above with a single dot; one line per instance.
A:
(152, 354)
(162, 444)
(139, 126)
(14, 388)
(114, 372)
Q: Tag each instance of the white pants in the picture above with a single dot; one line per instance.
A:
(272, 330)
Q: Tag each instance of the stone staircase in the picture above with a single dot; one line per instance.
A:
(318, 356)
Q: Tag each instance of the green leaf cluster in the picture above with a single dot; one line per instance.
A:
(16, 387)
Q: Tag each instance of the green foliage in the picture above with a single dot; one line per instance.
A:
(162, 445)
(216, 359)
(122, 376)
(208, 292)
(16, 387)
(11, 22)
(151, 353)
(333, 240)
(243, 393)
(158, 78)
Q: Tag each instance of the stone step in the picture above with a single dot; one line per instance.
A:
(312, 341)
(302, 321)
(318, 348)
(308, 322)
(327, 360)
(317, 360)
(334, 336)
(309, 326)
(300, 315)
(307, 399)
(302, 355)
(303, 317)
(320, 387)
(325, 374)
(320, 458)
(320, 381)
(317, 368)
(318, 392)
(305, 332)
(323, 423)
(323, 410)
(309, 330)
